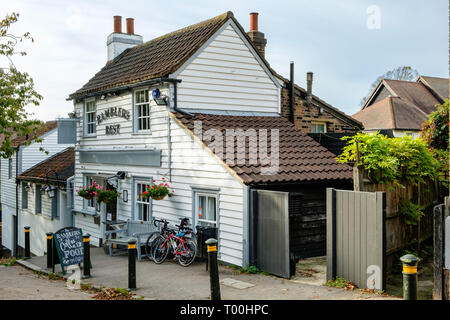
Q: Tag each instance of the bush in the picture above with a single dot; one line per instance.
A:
(391, 160)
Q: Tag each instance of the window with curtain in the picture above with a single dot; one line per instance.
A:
(206, 209)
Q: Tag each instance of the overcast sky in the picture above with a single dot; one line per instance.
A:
(346, 43)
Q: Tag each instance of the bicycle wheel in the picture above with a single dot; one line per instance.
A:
(161, 248)
(149, 245)
(185, 259)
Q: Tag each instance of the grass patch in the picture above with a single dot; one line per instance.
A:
(250, 270)
(8, 262)
(54, 276)
(341, 283)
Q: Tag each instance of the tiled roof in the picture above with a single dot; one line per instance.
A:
(439, 85)
(155, 58)
(391, 113)
(301, 159)
(49, 126)
(63, 163)
(415, 93)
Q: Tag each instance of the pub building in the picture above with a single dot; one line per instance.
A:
(150, 113)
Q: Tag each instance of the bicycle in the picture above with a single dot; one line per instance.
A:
(183, 248)
(151, 238)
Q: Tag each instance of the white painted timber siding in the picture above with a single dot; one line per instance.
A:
(192, 166)
(226, 76)
(29, 156)
(40, 223)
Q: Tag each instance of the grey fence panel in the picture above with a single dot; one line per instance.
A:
(356, 237)
(270, 232)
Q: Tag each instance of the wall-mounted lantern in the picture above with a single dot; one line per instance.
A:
(28, 187)
(160, 100)
(125, 195)
(51, 190)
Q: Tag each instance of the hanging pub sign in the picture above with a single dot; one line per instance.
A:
(69, 246)
(113, 112)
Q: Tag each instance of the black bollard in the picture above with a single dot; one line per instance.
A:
(49, 249)
(132, 264)
(27, 242)
(213, 268)
(86, 256)
(409, 276)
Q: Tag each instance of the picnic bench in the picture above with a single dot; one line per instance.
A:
(140, 230)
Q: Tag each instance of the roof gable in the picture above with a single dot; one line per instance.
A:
(155, 58)
(438, 86)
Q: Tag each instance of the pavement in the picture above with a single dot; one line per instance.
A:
(19, 283)
(170, 280)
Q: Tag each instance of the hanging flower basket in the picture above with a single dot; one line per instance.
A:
(157, 191)
(88, 192)
(107, 196)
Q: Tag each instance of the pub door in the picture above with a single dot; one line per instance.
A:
(111, 208)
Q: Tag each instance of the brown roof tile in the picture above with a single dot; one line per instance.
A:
(439, 85)
(301, 158)
(415, 93)
(155, 58)
(391, 113)
(63, 163)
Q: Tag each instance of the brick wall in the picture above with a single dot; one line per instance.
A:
(304, 115)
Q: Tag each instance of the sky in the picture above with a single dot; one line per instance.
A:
(347, 44)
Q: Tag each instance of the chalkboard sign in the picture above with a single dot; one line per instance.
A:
(69, 244)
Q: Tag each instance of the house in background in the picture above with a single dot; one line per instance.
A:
(45, 198)
(56, 137)
(398, 107)
(137, 124)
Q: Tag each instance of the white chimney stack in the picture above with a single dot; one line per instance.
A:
(117, 41)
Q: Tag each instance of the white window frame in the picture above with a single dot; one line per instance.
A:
(144, 182)
(137, 106)
(87, 181)
(319, 123)
(198, 220)
(86, 116)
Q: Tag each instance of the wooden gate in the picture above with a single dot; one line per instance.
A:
(441, 246)
(269, 232)
(356, 237)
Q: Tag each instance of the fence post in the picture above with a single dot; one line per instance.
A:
(27, 242)
(213, 268)
(132, 264)
(438, 245)
(409, 276)
(49, 249)
(86, 256)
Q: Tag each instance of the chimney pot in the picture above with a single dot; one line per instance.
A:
(309, 80)
(254, 21)
(118, 24)
(130, 25)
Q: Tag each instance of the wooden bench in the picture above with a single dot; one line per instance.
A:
(140, 230)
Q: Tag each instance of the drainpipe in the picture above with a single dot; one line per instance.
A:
(69, 191)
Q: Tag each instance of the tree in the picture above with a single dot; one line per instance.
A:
(400, 73)
(16, 91)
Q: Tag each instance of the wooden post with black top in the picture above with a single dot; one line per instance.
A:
(27, 242)
(132, 264)
(49, 249)
(213, 268)
(86, 256)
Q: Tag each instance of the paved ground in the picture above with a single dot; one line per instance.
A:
(19, 283)
(172, 281)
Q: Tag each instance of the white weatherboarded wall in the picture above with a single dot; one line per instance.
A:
(192, 166)
(29, 156)
(226, 76)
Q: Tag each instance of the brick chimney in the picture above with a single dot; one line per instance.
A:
(117, 41)
(256, 36)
